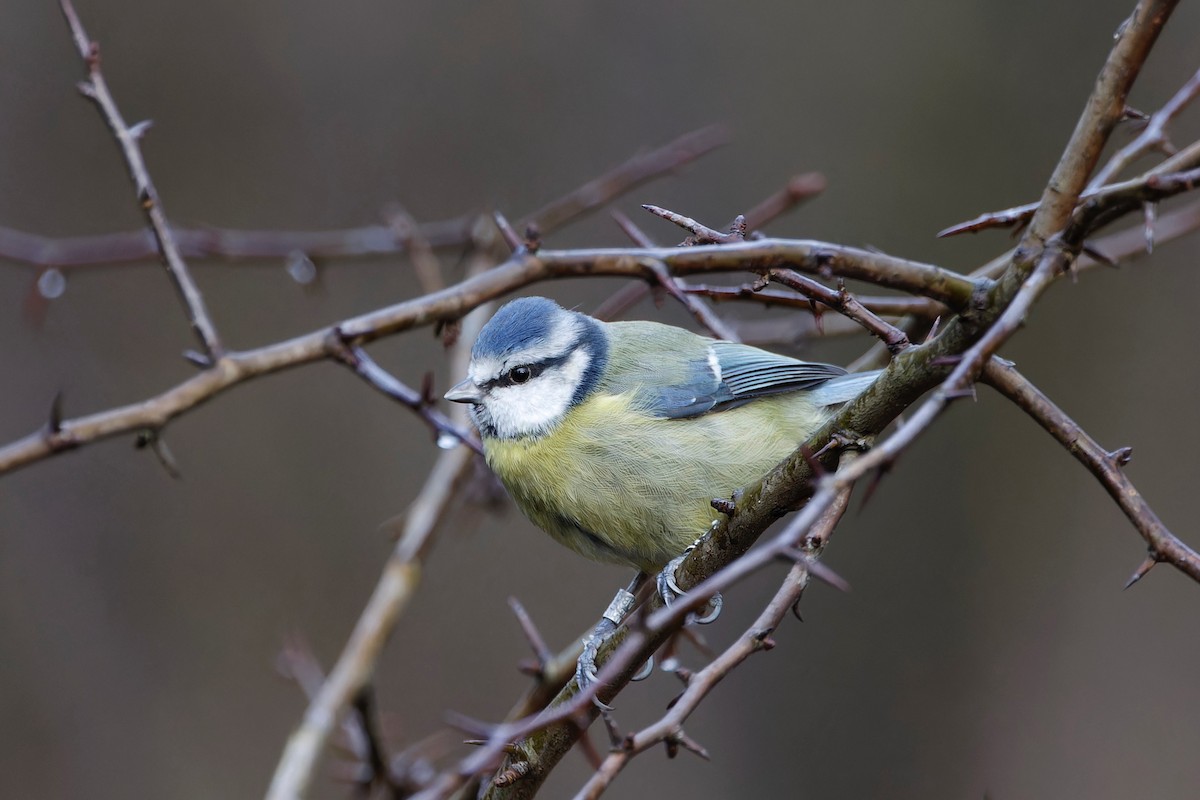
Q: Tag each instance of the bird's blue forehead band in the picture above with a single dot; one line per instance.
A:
(517, 326)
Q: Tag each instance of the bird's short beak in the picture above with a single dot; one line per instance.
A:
(465, 392)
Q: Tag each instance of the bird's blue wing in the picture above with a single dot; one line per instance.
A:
(733, 374)
(749, 372)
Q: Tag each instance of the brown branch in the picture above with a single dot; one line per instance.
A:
(356, 665)
(1153, 136)
(755, 639)
(1105, 465)
(365, 241)
(573, 709)
(1147, 185)
(883, 306)
(677, 289)
(133, 247)
(629, 175)
(845, 304)
(1105, 108)
(797, 191)
(401, 575)
(701, 234)
(522, 269)
(800, 189)
(365, 367)
(1046, 251)
(811, 257)
(297, 662)
(96, 89)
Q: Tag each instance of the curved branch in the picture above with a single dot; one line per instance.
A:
(755, 639)
(367, 240)
(452, 303)
(96, 88)
(354, 668)
(969, 342)
(1105, 465)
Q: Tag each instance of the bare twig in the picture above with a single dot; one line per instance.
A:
(800, 189)
(878, 304)
(846, 304)
(1155, 184)
(522, 269)
(356, 664)
(696, 307)
(1105, 465)
(1153, 136)
(96, 88)
(132, 247)
(357, 359)
(576, 707)
(701, 234)
(365, 241)
(397, 584)
(755, 639)
(540, 650)
(1045, 252)
(629, 175)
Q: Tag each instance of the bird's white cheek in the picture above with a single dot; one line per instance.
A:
(533, 408)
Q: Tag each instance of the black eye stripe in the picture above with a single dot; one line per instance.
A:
(535, 368)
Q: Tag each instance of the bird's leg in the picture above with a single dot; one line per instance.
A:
(670, 591)
(623, 603)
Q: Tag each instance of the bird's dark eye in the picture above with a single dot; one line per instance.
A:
(521, 374)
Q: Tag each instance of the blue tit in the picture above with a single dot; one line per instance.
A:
(615, 437)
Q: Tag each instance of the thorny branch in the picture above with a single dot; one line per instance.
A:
(1104, 464)
(401, 576)
(522, 269)
(1153, 137)
(368, 240)
(96, 88)
(1051, 243)
(984, 310)
(756, 638)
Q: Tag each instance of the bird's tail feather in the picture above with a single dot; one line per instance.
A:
(844, 388)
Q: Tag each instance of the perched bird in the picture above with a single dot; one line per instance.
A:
(615, 437)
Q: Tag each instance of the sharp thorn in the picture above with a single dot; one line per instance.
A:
(1141, 571)
(824, 574)
(689, 744)
(1121, 456)
(796, 610)
(55, 421)
(506, 230)
(814, 459)
(139, 129)
(1099, 257)
(958, 394)
(876, 478)
(198, 359)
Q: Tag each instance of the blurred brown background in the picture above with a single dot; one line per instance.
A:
(987, 646)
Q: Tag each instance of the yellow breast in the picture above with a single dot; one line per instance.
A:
(618, 485)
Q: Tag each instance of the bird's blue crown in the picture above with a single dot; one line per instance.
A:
(517, 326)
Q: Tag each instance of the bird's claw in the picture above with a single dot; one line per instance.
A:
(585, 667)
(670, 591)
